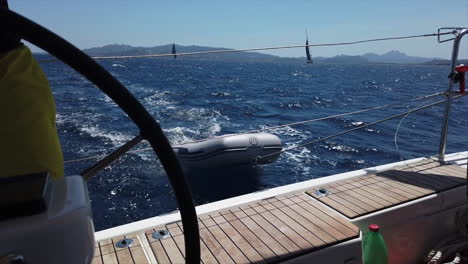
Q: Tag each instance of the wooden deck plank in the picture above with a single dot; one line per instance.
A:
(109, 258)
(402, 184)
(356, 202)
(371, 194)
(172, 251)
(241, 243)
(389, 196)
(135, 249)
(345, 203)
(430, 173)
(124, 256)
(259, 232)
(97, 251)
(452, 171)
(278, 227)
(359, 196)
(419, 178)
(311, 227)
(411, 188)
(138, 255)
(337, 235)
(413, 180)
(279, 236)
(231, 249)
(328, 214)
(263, 249)
(336, 221)
(454, 175)
(400, 190)
(306, 234)
(274, 245)
(216, 249)
(205, 253)
(97, 260)
(108, 253)
(289, 232)
(180, 243)
(456, 168)
(159, 252)
(339, 207)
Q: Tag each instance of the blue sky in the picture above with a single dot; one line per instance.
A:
(253, 23)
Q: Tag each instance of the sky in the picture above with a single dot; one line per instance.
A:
(241, 24)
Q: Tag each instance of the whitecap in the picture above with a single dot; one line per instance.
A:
(116, 138)
(357, 123)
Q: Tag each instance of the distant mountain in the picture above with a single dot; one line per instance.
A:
(392, 56)
(395, 56)
(446, 62)
(343, 59)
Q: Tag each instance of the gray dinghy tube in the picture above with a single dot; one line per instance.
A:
(228, 150)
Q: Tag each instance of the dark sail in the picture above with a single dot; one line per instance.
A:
(174, 51)
(309, 59)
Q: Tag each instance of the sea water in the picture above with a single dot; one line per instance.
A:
(197, 99)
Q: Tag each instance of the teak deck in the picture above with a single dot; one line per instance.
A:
(260, 232)
(283, 227)
(106, 252)
(366, 194)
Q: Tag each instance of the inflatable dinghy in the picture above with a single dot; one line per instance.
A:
(229, 150)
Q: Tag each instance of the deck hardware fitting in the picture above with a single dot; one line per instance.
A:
(124, 243)
(322, 192)
(161, 234)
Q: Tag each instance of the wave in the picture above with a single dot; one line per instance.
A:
(113, 137)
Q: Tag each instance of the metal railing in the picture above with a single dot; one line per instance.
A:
(459, 33)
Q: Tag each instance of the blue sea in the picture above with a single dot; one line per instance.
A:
(196, 99)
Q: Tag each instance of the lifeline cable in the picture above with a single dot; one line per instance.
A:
(357, 128)
(263, 48)
(275, 127)
(321, 118)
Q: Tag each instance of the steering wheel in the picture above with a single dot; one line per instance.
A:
(149, 128)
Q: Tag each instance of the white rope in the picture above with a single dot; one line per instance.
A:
(395, 138)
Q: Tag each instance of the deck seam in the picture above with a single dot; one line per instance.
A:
(269, 211)
(220, 245)
(275, 227)
(145, 245)
(233, 242)
(255, 235)
(264, 231)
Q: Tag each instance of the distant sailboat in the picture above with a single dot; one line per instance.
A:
(309, 58)
(174, 51)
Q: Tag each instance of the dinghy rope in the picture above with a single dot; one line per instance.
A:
(266, 48)
(126, 148)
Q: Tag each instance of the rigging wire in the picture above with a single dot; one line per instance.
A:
(322, 118)
(356, 128)
(263, 48)
(275, 127)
